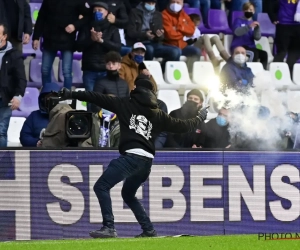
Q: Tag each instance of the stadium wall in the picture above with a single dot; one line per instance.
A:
(49, 194)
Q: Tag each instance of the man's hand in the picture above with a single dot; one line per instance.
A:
(159, 33)
(195, 146)
(150, 35)
(39, 144)
(146, 72)
(70, 28)
(94, 35)
(26, 38)
(15, 103)
(65, 94)
(254, 24)
(111, 18)
(202, 114)
(35, 44)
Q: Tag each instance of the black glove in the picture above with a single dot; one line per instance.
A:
(191, 41)
(65, 94)
(202, 114)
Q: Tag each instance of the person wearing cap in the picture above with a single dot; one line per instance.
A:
(132, 65)
(56, 24)
(189, 109)
(140, 123)
(117, 13)
(95, 40)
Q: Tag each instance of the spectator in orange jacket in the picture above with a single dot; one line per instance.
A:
(177, 24)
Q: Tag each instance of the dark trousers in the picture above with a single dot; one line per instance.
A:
(287, 41)
(135, 170)
(259, 55)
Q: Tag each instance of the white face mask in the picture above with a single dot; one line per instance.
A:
(175, 7)
(239, 59)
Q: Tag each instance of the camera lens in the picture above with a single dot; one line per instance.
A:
(78, 125)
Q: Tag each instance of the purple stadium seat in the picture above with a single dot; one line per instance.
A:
(29, 103)
(217, 22)
(76, 71)
(235, 15)
(34, 8)
(202, 28)
(267, 28)
(35, 74)
(186, 5)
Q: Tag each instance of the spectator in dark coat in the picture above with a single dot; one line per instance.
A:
(188, 110)
(235, 74)
(17, 16)
(112, 84)
(56, 24)
(146, 26)
(162, 137)
(97, 38)
(12, 83)
(117, 13)
(38, 119)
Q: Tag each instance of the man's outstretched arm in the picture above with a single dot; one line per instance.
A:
(179, 126)
(104, 101)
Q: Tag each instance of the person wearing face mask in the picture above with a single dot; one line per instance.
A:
(193, 139)
(235, 74)
(146, 26)
(216, 131)
(246, 32)
(132, 65)
(95, 40)
(37, 120)
(112, 84)
(12, 82)
(177, 25)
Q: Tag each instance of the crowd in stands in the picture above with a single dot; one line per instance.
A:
(116, 37)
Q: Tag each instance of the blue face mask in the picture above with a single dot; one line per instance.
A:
(138, 59)
(98, 16)
(149, 7)
(221, 121)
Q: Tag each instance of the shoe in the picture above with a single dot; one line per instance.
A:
(104, 232)
(151, 233)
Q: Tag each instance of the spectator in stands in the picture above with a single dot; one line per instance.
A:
(132, 66)
(39, 119)
(235, 74)
(204, 42)
(177, 24)
(203, 5)
(146, 26)
(56, 24)
(96, 39)
(117, 13)
(17, 16)
(112, 84)
(188, 110)
(283, 14)
(12, 82)
(237, 5)
(216, 131)
(246, 31)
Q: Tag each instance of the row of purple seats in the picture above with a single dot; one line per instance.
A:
(35, 75)
(218, 22)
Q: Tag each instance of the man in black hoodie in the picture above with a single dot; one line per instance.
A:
(140, 123)
(95, 40)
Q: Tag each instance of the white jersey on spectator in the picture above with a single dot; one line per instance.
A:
(197, 34)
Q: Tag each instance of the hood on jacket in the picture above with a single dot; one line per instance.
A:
(47, 89)
(147, 101)
(129, 62)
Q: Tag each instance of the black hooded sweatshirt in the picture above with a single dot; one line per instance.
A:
(140, 119)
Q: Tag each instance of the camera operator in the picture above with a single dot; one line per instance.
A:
(37, 120)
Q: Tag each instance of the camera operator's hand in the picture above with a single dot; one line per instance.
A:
(65, 94)
(202, 114)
